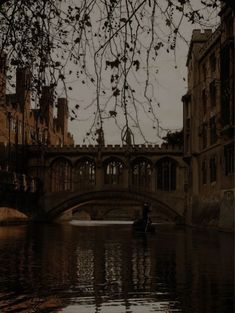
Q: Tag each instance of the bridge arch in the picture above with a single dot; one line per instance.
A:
(76, 201)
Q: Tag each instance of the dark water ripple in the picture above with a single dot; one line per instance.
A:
(67, 268)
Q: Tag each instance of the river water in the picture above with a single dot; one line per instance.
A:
(90, 268)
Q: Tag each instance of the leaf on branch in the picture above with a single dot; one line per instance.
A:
(136, 63)
(182, 2)
(88, 23)
(116, 92)
(168, 22)
(124, 59)
(113, 64)
(61, 76)
(113, 113)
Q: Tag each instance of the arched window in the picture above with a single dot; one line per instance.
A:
(166, 175)
(213, 169)
(141, 174)
(113, 173)
(84, 174)
(204, 172)
(61, 174)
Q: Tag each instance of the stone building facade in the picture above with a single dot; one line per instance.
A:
(208, 119)
(20, 124)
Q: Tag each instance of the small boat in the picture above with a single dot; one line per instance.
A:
(143, 226)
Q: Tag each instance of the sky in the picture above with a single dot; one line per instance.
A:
(169, 83)
(168, 80)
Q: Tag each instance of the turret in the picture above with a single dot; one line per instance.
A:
(62, 116)
(23, 87)
(100, 137)
(46, 105)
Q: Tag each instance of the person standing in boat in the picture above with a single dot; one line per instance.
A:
(145, 212)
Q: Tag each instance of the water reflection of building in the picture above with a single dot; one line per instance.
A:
(64, 266)
(141, 266)
(113, 267)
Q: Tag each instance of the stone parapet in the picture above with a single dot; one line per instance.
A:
(113, 148)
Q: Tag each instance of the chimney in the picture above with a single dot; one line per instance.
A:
(46, 105)
(3, 79)
(23, 87)
(62, 116)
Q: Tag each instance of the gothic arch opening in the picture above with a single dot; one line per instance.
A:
(141, 174)
(61, 175)
(113, 172)
(166, 174)
(84, 174)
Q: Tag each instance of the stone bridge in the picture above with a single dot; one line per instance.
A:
(110, 182)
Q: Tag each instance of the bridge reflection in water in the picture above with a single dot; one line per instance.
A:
(65, 268)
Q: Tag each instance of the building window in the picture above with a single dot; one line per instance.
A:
(13, 125)
(187, 109)
(19, 127)
(61, 174)
(229, 27)
(227, 85)
(2, 64)
(204, 72)
(213, 94)
(204, 172)
(213, 132)
(229, 159)
(166, 175)
(141, 174)
(84, 174)
(188, 124)
(113, 173)
(204, 135)
(213, 171)
(187, 143)
(204, 101)
(213, 62)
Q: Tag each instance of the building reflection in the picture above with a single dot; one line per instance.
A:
(62, 266)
